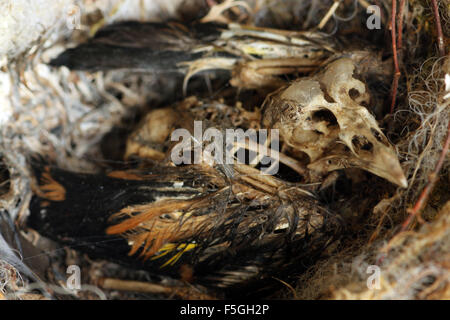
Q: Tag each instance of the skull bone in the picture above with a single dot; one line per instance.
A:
(324, 116)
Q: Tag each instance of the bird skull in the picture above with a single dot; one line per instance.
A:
(324, 117)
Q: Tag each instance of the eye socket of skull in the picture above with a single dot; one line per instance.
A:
(321, 127)
(325, 115)
(380, 137)
(354, 93)
(361, 144)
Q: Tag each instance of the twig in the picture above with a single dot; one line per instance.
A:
(145, 287)
(394, 52)
(400, 24)
(364, 3)
(433, 178)
(440, 35)
(294, 293)
(329, 14)
(382, 17)
(136, 286)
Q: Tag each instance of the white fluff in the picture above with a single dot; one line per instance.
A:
(8, 255)
(5, 106)
(143, 10)
(22, 22)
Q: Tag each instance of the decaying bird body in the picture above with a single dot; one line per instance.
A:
(231, 233)
(325, 117)
(230, 224)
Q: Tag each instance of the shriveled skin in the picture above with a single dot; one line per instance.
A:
(324, 117)
(151, 139)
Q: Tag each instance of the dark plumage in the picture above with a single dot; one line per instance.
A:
(152, 47)
(230, 232)
(257, 57)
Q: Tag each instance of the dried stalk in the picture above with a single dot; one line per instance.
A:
(440, 36)
(433, 178)
(328, 15)
(400, 24)
(394, 52)
(145, 287)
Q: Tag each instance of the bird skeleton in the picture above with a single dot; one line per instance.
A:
(324, 116)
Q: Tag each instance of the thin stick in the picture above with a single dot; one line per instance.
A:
(394, 52)
(145, 287)
(438, 28)
(377, 2)
(400, 24)
(328, 15)
(294, 293)
(136, 286)
(364, 3)
(434, 177)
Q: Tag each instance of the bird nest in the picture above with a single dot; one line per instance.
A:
(361, 232)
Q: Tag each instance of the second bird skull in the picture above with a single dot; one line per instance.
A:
(326, 118)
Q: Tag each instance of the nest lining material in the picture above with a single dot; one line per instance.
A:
(64, 114)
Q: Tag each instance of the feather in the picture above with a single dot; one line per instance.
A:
(231, 232)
